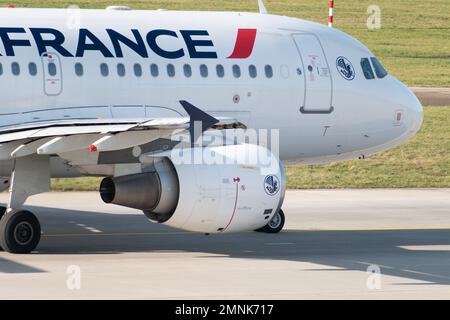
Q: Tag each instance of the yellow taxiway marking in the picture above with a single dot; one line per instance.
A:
(124, 234)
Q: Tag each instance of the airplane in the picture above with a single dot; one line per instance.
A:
(134, 95)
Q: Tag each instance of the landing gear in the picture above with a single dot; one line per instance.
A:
(275, 225)
(20, 232)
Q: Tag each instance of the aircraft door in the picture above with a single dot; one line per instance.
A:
(318, 91)
(51, 65)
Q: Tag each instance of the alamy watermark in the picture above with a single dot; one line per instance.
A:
(73, 281)
(374, 279)
(73, 17)
(228, 147)
(374, 19)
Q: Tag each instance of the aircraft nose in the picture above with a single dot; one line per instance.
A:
(408, 109)
(414, 111)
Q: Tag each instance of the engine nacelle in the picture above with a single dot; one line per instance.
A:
(240, 193)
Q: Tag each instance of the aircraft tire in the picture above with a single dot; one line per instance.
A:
(275, 224)
(20, 232)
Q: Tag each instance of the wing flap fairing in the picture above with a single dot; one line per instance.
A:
(60, 137)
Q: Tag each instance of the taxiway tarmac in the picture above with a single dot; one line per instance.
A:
(433, 96)
(333, 239)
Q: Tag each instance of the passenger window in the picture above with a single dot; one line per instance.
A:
(137, 70)
(220, 71)
(104, 70)
(15, 68)
(203, 71)
(79, 69)
(52, 69)
(252, 71)
(236, 71)
(268, 71)
(379, 69)
(187, 70)
(367, 69)
(171, 70)
(121, 70)
(32, 68)
(154, 70)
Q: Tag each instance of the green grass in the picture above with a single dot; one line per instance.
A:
(413, 42)
(423, 162)
(76, 184)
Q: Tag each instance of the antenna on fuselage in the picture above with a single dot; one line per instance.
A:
(262, 7)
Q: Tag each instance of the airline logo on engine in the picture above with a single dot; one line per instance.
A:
(168, 44)
(271, 185)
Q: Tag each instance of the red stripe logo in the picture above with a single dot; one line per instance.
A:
(245, 42)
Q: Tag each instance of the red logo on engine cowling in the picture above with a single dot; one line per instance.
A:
(245, 42)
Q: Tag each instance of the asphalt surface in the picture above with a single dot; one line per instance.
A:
(333, 241)
(433, 96)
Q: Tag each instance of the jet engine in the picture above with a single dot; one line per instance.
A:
(213, 189)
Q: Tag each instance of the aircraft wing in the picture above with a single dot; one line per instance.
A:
(100, 135)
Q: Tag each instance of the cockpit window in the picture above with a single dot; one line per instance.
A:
(379, 70)
(367, 69)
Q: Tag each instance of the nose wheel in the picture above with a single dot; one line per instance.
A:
(20, 231)
(275, 224)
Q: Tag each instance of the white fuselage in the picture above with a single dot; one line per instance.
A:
(321, 115)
